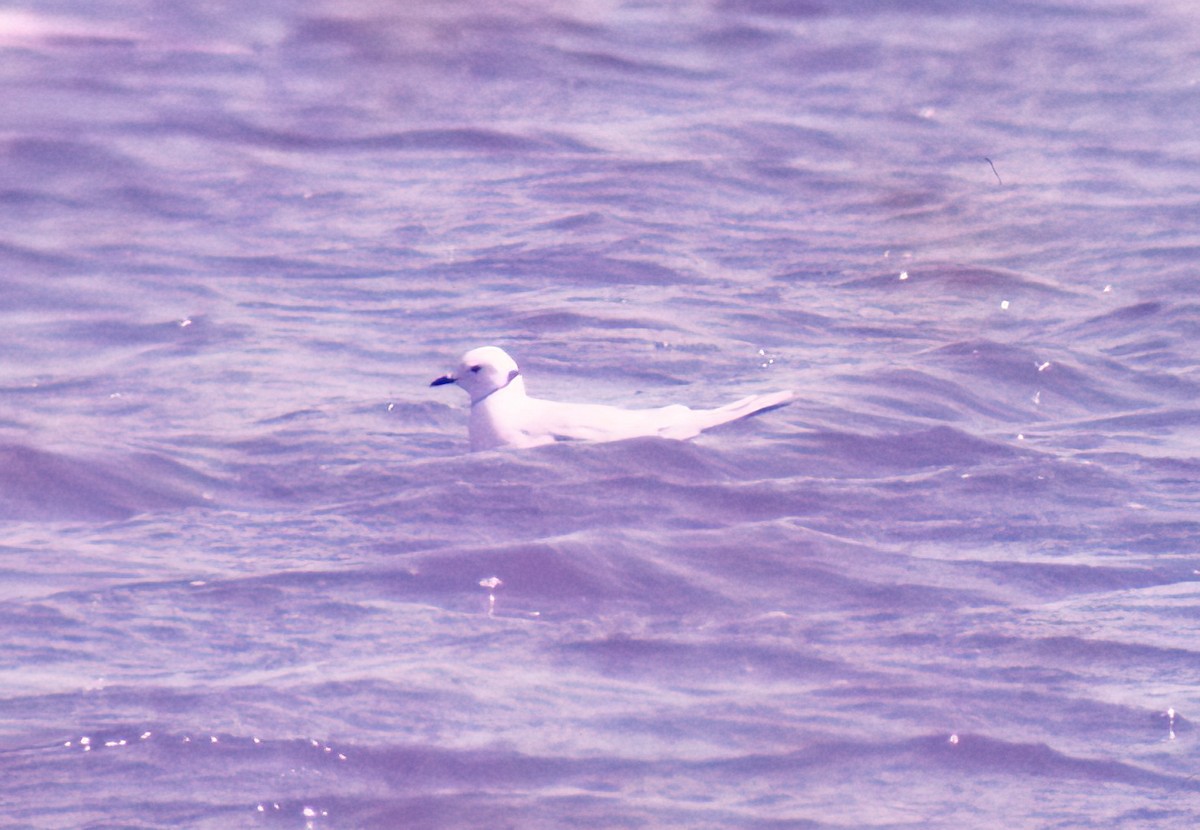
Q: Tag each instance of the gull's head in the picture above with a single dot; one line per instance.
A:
(482, 371)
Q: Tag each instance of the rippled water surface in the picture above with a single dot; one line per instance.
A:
(246, 557)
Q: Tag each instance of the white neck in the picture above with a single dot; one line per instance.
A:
(514, 379)
(496, 418)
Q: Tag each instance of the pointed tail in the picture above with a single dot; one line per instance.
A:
(708, 418)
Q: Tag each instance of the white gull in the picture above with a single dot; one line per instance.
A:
(503, 415)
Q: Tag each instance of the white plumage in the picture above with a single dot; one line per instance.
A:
(503, 415)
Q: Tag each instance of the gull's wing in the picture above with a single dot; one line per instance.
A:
(552, 420)
(750, 405)
(597, 422)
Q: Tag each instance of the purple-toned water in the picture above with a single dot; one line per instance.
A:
(953, 585)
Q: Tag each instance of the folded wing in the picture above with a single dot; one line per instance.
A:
(702, 419)
(598, 422)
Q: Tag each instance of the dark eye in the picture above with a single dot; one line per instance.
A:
(476, 368)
